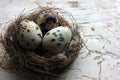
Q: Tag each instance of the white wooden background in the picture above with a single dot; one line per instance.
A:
(100, 29)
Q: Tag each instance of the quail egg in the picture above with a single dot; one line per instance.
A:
(56, 40)
(51, 21)
(29, 35)
(46, 21)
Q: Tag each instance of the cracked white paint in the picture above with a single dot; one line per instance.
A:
(100, 29)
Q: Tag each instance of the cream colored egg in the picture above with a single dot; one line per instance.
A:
(55, 40)
(29, 35)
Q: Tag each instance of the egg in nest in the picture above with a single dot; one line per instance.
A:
(29, 34)
(46, 21)
(56, 40)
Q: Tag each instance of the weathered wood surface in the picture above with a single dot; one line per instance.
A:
(100, 29)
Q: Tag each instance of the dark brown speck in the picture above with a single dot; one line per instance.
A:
(37, 28)
(54, 34)
(60, 34)
(58, 30)
(52, 40)
(58, 44)
(39, 35)
(28, 30)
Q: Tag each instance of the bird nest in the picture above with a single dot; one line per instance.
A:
(37, 62)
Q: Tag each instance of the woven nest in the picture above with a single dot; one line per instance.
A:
(45, 67)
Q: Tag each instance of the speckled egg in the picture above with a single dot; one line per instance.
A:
(46, 21)
(29, 35)
(51, 21)
(56, 40)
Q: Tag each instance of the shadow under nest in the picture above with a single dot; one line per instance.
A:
(37, 62)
